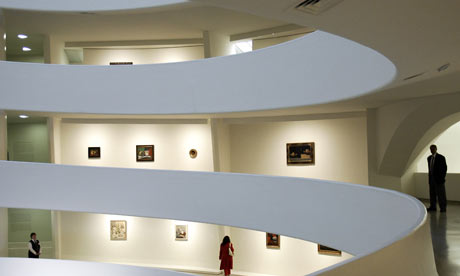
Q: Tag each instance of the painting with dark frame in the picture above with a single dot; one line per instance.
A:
(94, 152)
(273, 241)
(144, 153)
(300, 153)
(322, 249)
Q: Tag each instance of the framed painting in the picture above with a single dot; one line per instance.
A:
(300, 153)
(181, 232)
(144, 153)
(322, 249)
(273, 241)
(118, 230)
(94, 152)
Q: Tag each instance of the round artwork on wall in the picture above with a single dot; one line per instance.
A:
(193, 153)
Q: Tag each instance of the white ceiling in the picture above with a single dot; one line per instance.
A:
(188, 22)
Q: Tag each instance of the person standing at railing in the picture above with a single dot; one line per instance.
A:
(226, 255)
(34, 247)
(437, 168)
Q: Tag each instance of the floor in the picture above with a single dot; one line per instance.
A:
(445, 234)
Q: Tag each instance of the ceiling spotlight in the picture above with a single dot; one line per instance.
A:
(443, 67)
(22, 36)
(5, 48)
(22, 116)
(26, 49)
(4, 36)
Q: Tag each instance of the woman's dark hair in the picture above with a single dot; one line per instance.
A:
(31, 234)
(225, 240)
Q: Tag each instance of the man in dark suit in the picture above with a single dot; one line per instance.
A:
(34, 247)
(437, 168)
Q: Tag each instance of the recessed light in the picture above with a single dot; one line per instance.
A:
(22, 36)
(5, 48)
(22, 116)
(4, 36)
(26, 49)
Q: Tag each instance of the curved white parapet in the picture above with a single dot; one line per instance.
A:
(84, 5)
(357, 219)
(317, 68)
(22, 266)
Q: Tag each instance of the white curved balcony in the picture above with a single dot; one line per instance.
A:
(318, 68)
(364, 221)
(85, 5)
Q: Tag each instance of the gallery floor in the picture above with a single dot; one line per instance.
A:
(445, 233)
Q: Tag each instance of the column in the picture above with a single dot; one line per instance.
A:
(220, 132)
(3, 136)
(2, 36)
(54, 134)
(216, 44)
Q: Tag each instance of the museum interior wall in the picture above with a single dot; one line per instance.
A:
(340, 148)
(117, 141)
(3, 232)
(151, 242)
(94, 56)
(447, 144)
(28, 142)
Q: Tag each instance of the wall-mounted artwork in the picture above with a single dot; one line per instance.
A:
(193, 153)
(322, 249)
(181, 232)
(94, 152)
(300, 153)
(144, 152)
(273, 241)
(121, 63)
(118, 230)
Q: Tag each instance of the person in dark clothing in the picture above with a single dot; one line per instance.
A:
(34, 247)
(437, 169)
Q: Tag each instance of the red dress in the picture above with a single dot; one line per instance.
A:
(226, 261)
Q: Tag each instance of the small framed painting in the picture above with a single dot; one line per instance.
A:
(144, 153)
(273, 241)
(181, 232)
(118, 230)
(94, 152)
(193, 153)
(121, 63)
(300, 153)
(322, 249)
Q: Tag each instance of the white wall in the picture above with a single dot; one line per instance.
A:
(452, 186)
(3, 232)
(85, 236)
(118, 145)
(151, 242)
(340, 148)
(142, 56)
(447, 144)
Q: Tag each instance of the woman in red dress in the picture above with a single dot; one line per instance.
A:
(226, 259)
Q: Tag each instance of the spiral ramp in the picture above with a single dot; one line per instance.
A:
(385, 231)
